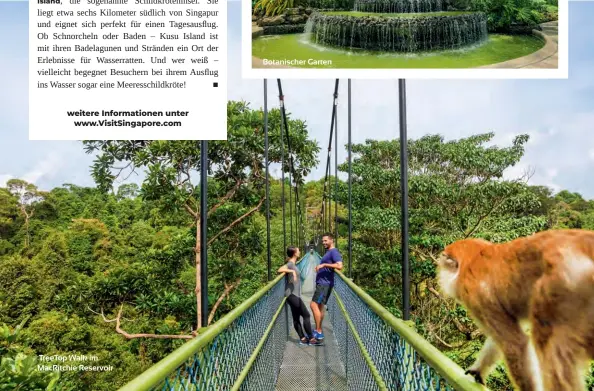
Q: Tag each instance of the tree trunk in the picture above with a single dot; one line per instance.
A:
(198, 289)
(27, 236)
(27, 218)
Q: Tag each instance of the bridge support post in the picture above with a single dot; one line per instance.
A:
(268, 256)
(203, 236)
(282, 151)
(336, 180)
(404, 201)
(350, 185)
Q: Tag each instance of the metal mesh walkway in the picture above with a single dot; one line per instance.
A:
(311, 368)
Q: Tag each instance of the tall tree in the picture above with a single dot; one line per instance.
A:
(236, 165)
(28, 197)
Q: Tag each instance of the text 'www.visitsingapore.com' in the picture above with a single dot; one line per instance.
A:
(128, 119)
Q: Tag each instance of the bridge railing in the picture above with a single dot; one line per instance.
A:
(243, 350)
(382, 352)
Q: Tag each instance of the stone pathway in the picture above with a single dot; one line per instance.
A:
(551, 29)
(545, 58)
(256, 30)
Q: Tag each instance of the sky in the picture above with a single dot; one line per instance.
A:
(557, 114)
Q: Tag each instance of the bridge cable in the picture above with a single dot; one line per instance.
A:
(268, 255)
(282, 148)
(336, 180)
(292, 169)
(284, 121)
(328, 161)
(290, 199)
(404, 202)
(350, 151)
(297, 180)
(203, 227)
(324, 211)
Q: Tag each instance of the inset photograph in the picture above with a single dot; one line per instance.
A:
(406, 34)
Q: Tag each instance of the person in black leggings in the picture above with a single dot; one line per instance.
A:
(293, 295)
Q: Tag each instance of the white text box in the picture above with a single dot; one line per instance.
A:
(127, 69)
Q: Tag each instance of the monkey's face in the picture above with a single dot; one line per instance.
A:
(451, 259)
(448, 269)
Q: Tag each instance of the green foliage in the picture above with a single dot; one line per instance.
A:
(80, 267)
(272, 7)
(8, 216)
(18, 371)
(97, 251)
(505, 15)
(170, 164)
(236, 194)
(90, 253)
(347, 5)
(550, 13)
(8, 338)
(457, 189)
(53, 332)
(590, 379)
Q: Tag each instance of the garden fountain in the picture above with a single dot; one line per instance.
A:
(407, 26)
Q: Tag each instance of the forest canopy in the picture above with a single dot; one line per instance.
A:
(73, 259)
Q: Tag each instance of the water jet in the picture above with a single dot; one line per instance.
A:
(405, 26)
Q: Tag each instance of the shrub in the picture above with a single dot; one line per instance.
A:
(507, 15)
(18, 370)
(272, 7)
(550, 13)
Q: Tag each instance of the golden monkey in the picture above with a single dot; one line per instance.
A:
(545, 280)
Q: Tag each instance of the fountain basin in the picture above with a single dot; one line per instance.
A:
(408, 32)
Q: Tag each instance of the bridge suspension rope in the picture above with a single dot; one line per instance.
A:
(203, 272)
(282, 149)
(350, 188)
(266, 147)
(328, 222)
(294, 179)
(404, 200)
(333, 221)
(326, 199)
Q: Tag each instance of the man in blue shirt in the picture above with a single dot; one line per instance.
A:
(330, 262)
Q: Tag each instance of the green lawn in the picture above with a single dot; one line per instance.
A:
(497, 49)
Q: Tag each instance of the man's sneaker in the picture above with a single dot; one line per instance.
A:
(318, 335)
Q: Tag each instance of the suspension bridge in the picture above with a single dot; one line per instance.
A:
(254, 347)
